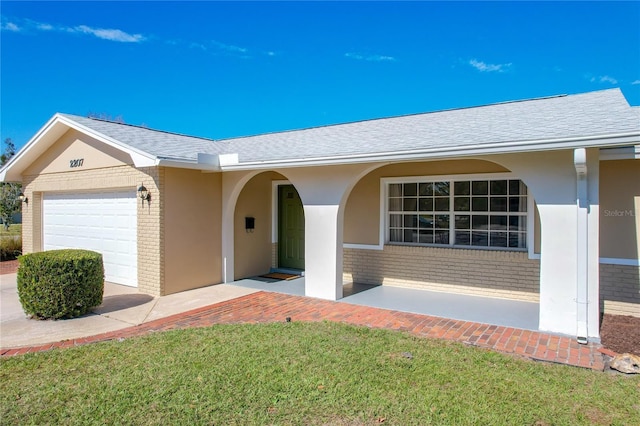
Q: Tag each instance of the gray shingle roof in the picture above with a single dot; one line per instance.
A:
(583, 115)
(589, 114)
(163, 145)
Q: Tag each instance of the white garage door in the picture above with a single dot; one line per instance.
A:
(105, 222)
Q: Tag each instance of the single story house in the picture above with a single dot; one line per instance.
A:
(532, 200)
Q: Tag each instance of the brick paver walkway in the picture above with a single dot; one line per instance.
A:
(263, 307)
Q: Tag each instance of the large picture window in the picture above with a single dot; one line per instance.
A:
(478, 213)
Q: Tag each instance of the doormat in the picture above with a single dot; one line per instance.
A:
(280, 276)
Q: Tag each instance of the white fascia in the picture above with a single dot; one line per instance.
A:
(446, 152)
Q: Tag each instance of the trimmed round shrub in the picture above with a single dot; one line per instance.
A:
(60, 283)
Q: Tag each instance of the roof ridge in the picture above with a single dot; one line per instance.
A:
(141, 127)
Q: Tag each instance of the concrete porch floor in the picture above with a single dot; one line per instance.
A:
(486, 310)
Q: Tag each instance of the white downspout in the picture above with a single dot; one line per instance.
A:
(580, 163)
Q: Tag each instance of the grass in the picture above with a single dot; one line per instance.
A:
(14, 229)
(303, 373)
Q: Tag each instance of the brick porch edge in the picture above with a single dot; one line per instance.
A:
(264, 307)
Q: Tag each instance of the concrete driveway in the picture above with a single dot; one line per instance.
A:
(122, 307)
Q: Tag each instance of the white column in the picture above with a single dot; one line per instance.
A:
(569, 238)
(324, 191)
(323, 251)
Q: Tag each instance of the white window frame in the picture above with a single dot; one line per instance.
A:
(384, 210)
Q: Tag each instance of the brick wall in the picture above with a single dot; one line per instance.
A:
(504, 274)
(150, 223)
(620, 289)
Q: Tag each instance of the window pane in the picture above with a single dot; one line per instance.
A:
(480, 204)
(498, 239)
(463, 222)
(498, 223)
(410, 189)
(441, 237)
(395, 190)
(426, 237)
(426, 221)
(395, 235)
(517, 239)
(442, 221)
(410, 204)
(410, 221)
(395, 204)
(442, 204)
(395, 220)
(498, 204)
(480, 222)
(479, 238)
(517, 204)
(461, 204)
(410, 236)
(463, 238)
(441, 188)
(426, 188)
(517, 223)
(480, 187)
(462, 188)
(516, 187)
(498, 187)
(426, 204)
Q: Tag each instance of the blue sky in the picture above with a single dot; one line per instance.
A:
(219, 70)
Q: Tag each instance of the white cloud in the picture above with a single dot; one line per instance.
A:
(110, 34)
(484, 67)
(229, 47)
(10, 26)
(635, 82)
(371, 58)
(603, 79)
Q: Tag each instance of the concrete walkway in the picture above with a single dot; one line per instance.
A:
(122, 307)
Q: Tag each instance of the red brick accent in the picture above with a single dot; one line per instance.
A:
(8, 267)
(264, 307)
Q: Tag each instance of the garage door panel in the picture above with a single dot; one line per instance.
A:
(105, 222)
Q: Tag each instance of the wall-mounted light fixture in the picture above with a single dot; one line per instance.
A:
(23, 198)
(144, 195)
(250, 224)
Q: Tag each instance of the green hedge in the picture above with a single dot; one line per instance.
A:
(60, 283)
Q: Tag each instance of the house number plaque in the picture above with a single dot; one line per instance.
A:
(76, 163)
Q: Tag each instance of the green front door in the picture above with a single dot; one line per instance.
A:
(290, 228)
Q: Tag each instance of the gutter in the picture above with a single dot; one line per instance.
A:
(582, 249)
(444, 152)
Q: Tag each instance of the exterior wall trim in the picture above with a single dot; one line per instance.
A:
(619, 261)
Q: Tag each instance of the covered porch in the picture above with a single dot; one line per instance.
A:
(461, 307)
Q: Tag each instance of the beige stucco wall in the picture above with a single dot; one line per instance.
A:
(149, 228)
(494, 273)
(253, 250)
(620, 209)
(74, 145)
(192, 232)
(362, 211)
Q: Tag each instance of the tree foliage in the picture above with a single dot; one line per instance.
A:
(9, 191)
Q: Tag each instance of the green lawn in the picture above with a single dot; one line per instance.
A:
(304, 373)
(14, 229)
